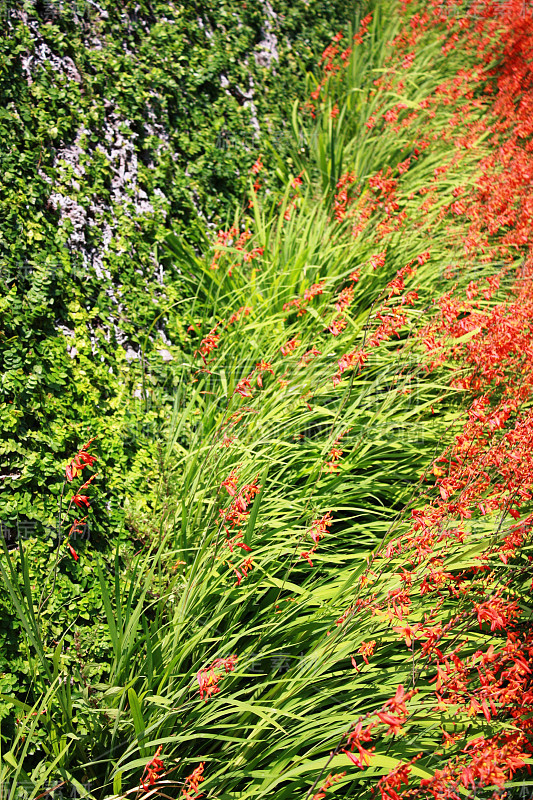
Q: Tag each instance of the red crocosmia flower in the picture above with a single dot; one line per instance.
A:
(209, 343)
(73, 553)
(192, 782)
(207, 681)
(224, 239)
(408, 60)
(297, 181)
(496, 611)
(233, 541)
(244, 388)
(80, 500)
(328, 783)
(88, 483)
(257, 167)
(77, 526)
(367, 649)
(345, 298)
(306, 358)
(235, 317)
(389, 783)
(319, 527)
(349, 361)
(289, 346)
(245, 567)
(345, 55)
(337, 326)
(152, 770)
(237, 513)
(355, 739)
(363, 29)
(80, 460)
(253, 253)
(342, 619)
(230, 484)
(243, 238)
(407, 632)
(261, 367)
(394, 723)
(264, 366)
(397, 703)
(423, 257)
(362, 760)
(209, 677)
(378, 260)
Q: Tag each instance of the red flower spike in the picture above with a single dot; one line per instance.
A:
(244, 387)
(257, 167)
(231, 482)
(152, 770)
(80, 460)
(80, 500)
(209, 677)
(290, 346)
(192, 782)
(367, 649)
(355, 738)
(394, 723)
(328, 783)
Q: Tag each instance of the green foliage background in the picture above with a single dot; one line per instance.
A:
(115, 644)
(119, 121)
